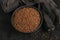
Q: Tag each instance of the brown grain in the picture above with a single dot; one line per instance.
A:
(26, 19)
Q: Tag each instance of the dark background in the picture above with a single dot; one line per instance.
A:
(7, 32)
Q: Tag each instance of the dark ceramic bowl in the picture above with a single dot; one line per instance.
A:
(28, 7)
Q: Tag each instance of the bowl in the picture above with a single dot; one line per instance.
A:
(27, 19)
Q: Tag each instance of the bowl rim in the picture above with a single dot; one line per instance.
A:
(39, 25)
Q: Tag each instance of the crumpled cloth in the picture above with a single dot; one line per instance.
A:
(9, 5)
(51, 20)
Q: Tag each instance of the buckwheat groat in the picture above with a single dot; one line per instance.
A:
(26, 19)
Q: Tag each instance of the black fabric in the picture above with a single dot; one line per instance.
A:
(9, 5)
(50, 28)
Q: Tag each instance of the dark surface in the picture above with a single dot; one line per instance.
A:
(9, 5)
(51, 20)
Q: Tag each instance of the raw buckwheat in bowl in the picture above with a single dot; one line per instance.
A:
(26, 19)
